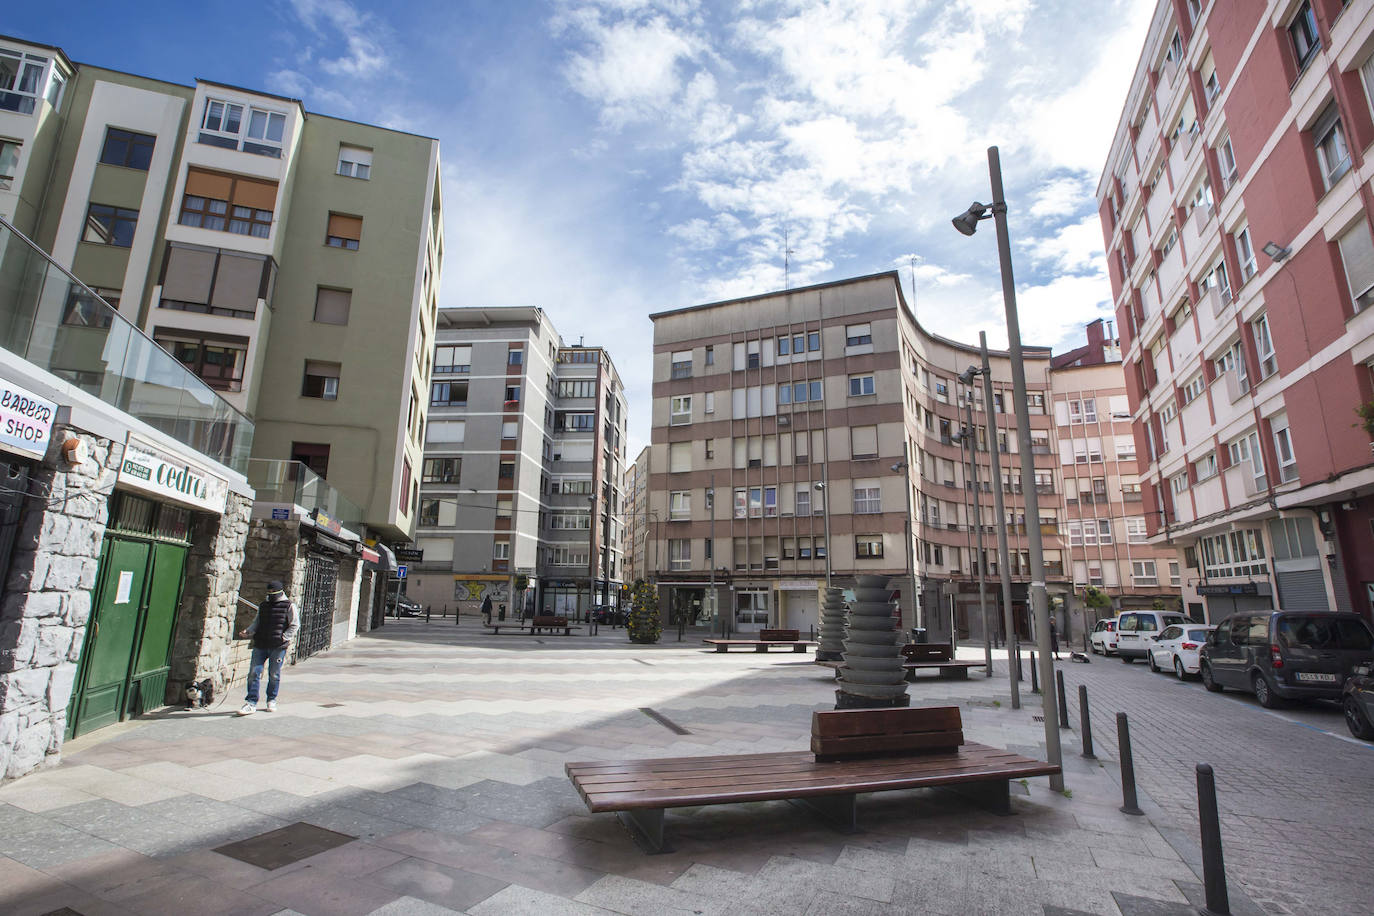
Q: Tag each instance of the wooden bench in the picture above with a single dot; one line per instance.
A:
(938, 655)
(767, 640)
(852, 751)
(553, 624)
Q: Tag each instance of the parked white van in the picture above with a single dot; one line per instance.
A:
(1135, 628)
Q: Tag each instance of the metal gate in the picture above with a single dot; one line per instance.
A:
(317, 605)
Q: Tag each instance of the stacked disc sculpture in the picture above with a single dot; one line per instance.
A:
(831, 648)
(871, 675)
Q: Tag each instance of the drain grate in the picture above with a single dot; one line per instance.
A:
(664, 721)
(284, 846)
(1035, 718)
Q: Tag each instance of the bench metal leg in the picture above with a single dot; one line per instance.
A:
(836, 810)
(721, 647)
(760, 648)
(799, 648)
(646, 826)
(993, 795)
(954, 674)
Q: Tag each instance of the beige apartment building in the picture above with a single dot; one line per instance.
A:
(638, 520)
(783, 425)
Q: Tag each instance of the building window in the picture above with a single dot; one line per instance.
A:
(1332, 154)
(344, 231)
(442, 470)
(332, 305)
(868, 546)
(452, 359)
(218, 363)
(1194, 388)
(680, 505)
(128, 149)
(314, 455)
(867, 500)
(355, 162)
(1283, 448)
(1245, 253)
(510, 430)
(680, 412)
(857, 335)
(506, 470)
(223, 122)
(679, 554)
(500, 550)
(86, 311)
(515, 356)
(1179, 482)
(1226, 159)
(1143, 572)
(863, 442)
(108, 225)
(1357, 254)
(1205, 467)
(1264, 347)
(321, 380)
(1302, 31)
(9, 162)
(21, 78)
(710, 356)
(860, 385)
(228, 203)
(429, 513)
(1135, 530)
(448, 394)
(512, 396)
(682, 364)
(1234, 554)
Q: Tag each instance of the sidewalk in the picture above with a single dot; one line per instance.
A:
(437, 752)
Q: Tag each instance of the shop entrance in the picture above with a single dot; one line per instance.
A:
(125, 656)
(317, 605)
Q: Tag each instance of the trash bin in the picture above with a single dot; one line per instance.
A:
(502, 615)
(918, 634)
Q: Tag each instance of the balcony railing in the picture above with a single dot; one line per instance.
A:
(278, 481)
(58, 323)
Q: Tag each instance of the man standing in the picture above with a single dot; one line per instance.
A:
(272, 631)
(1054, 637)
(486, 610)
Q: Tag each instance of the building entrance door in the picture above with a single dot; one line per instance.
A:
(317, 605)
(803, 610)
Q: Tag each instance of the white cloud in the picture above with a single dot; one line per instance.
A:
(1074, 248)
(1063, 196)
(331, 71)
(633, 69)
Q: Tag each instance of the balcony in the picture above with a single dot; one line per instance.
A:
(293, 483)
(1145, 143)
(56, 322)
(1198, 222)
(1159, 206)
(1183, 147)
(1171, 274)
(1241, 483)
(1236, 386)
(1208, 497)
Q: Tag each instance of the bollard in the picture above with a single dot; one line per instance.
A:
(1123, 741)
(428, 607)
(1063, 704)
(1035, 675)
(1085, 724)
(1213, 868)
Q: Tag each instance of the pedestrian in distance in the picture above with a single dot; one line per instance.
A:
(271, 631)
(486, 610)
(1054, 639)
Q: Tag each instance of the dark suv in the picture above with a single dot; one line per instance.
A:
(1286, 655)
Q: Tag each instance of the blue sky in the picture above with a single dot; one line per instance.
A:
(605, 159)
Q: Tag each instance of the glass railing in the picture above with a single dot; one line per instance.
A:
(279, 481)
(58, 323)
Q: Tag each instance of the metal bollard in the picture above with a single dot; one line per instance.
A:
(1123, 741)
(1035, 675)
(1213, 868)
(1063, 704)
(1085, 723)
(428, 607)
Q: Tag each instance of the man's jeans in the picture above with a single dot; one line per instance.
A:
(273, 658)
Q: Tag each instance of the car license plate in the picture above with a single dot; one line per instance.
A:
(1317, 677)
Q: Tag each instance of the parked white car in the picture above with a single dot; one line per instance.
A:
(1177, 648)
(1134, 629)
(1102, 640)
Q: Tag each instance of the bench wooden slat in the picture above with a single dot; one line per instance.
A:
(843, 722)
(780, 635)
(796, 774)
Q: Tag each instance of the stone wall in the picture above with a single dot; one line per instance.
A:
(47, 598)
(273, 551)
(204, 645)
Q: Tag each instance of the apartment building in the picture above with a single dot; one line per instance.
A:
(786, 429)
(1234, 206)
(521, 490)
(288, 259)
(638, 520)
(1101, 498)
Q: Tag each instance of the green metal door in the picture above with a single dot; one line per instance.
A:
(148, 682)
(111, 635)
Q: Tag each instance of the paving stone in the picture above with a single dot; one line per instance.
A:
(522, 901)
(450, 887)
(324, 893)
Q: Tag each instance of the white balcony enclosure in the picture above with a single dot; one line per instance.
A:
(1171, 274)
(1197, 224)
(1158, 207)
(1208, 496)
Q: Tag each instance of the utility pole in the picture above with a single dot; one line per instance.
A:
(711, 559)
(1003, 557)
(978, 522)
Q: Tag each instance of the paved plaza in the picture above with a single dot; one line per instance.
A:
(432, 757)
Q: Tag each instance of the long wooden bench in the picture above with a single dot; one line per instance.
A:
(767, 640)
(553, 624)
(852, 751)
(938, 655)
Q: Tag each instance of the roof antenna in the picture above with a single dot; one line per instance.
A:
(914, 259)
(787, 253)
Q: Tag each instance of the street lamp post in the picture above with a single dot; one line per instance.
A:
(1003, 553)
(904, 466)
(711, 559)
(822, 486)
(967, 223)
(967, 378)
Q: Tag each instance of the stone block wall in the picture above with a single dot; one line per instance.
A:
(204, 645)
(47, 598)
(273, 550)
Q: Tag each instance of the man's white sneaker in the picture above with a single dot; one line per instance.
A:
(271, 705)
(247, 709)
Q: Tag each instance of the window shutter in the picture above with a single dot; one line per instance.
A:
(864, 441)
(345, 227)
(237, 282)
(323, 370)
(189, 274)
(1357, 251)
(200, 183)
(260, 195)
(332, 305)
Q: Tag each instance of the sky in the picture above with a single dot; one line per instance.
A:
(607, 159)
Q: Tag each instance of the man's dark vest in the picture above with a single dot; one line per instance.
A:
(274, 616)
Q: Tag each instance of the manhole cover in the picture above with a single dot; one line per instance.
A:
(285, 845)
(1035, 718)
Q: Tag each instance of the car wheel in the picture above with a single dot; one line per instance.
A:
(1207, 681)
(1178, 668)
(1150, 661)
(1355, 720)
(1260, 685)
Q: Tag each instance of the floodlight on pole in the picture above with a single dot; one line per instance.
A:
(967, 224)
(1276, 251)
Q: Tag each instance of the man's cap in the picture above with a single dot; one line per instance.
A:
(275, 586)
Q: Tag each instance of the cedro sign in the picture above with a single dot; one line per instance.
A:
(25, 421)
(157, 472)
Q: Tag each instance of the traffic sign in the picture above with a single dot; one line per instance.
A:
(401, 571)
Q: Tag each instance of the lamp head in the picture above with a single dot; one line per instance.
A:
(967, 222)
(898, 466)
(819, 485)
(968, 375)
(1276, 251)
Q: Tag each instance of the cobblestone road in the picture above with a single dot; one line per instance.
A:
(1295, 791)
